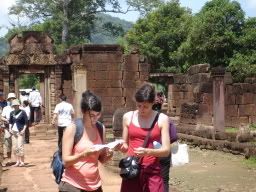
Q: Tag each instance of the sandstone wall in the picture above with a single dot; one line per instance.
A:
(240, 103)
(190, 98)
(111, 74)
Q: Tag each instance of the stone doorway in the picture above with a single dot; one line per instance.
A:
(42, 73)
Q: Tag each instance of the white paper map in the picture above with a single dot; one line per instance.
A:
(110, 145)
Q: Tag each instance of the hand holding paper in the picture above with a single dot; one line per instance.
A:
(110, 145)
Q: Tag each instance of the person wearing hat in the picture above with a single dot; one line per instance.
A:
(5, 117)
(18, 123)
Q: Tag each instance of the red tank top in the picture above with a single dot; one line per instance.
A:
(136, 138)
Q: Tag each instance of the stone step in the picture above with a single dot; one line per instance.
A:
(42, 129)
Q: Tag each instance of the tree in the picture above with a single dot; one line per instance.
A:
(159, 35)
(214, 34)
(28, 81)
(75, 18)
(243, 63)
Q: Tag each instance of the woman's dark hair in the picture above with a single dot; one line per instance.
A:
(146, 93)
(90, 102)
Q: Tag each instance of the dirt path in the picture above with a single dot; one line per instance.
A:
(208, 171)
(214, 171)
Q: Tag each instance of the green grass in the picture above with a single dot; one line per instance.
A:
(251, 162)
(252, 127)
(231, 129)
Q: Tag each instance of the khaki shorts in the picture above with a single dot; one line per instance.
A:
(18, 144)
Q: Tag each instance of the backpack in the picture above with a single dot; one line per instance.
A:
(173, 132)
(57, 164)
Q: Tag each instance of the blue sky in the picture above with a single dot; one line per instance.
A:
(249, 6)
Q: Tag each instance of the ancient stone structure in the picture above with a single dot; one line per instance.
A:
(109, 73)
(200, 93)
(104, 69)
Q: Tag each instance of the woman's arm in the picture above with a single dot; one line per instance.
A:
(164, 151)
(68, 158)
(126, 121)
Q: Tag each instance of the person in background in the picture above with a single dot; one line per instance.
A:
(5, 117)
(3, 102)
(17, 126)
(159, 100)
(26, 108)
(23, 96)
(136, 125)
(64, 112)
(35, 101)
(81, 171)
(165, 162)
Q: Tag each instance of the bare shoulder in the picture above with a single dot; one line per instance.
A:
(163, 119)
(70, 129)
(127, 116)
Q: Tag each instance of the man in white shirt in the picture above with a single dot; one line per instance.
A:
(35, 101)
(5, 117)
(65, 113)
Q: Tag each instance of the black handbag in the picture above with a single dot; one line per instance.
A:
(130, 166)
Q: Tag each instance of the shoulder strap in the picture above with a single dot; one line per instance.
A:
(78, 134)
(149, 132)
(79, 130)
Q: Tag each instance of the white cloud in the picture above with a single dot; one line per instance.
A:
(4, 19)
(5, 5)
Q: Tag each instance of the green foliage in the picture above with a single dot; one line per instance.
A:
(251, 162)
(145, 6)
(108, 29)
(28, 81)
(231, 129)
(159, 35)
(73, 21)
(243, 63)
(98, 36)
(252, 127)
(214, 34)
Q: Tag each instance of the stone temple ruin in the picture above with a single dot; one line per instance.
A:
(103, 69)
(204, 101)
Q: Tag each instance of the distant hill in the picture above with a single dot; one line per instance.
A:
(102, 36)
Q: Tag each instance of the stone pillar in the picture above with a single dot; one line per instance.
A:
(170, 95)
(79, 81)
(5, 80)
(218, 99)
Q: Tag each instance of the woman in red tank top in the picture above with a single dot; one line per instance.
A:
(81, 172)
(136, 125)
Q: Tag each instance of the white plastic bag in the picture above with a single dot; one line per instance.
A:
(179, 154)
